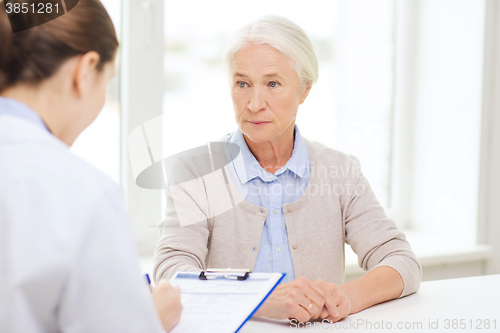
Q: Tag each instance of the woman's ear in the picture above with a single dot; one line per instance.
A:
(85, 72)
(307, 88)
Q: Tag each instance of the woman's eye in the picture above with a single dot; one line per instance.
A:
(273, 84)
(242, 84)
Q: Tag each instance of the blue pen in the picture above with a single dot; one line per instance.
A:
(149, 282)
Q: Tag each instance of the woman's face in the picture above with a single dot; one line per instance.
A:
(266, 93)
(85, 94)
(96, 95)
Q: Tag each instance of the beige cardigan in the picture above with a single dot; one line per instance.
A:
(337, 207)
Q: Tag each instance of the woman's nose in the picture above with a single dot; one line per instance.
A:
(257, 101)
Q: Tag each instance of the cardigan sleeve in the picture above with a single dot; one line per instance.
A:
(373, 236)
(184, 232)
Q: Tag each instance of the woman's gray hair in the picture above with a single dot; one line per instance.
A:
(281, 34)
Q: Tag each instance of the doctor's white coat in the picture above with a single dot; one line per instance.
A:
(67, 258)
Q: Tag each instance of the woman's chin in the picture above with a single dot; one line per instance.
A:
(257, 136)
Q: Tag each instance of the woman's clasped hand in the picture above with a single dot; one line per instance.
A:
(304, 300)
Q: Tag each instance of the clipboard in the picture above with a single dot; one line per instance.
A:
(221, 300)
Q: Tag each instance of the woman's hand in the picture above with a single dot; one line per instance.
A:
(341, 302)
(167, 300)
(301, 299)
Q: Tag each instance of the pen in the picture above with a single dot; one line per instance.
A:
(149, 282)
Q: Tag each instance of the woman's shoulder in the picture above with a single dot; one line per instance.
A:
(56, 189)
(88, 182)
(43, 162)
(324, 155)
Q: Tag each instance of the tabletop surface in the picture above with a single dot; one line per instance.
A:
(453, 305)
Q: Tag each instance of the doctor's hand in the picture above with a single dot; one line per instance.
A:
(167, 299)
(341, 303)
(301, 299)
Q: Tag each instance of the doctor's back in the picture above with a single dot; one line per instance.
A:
(67, 261)
(67, 257)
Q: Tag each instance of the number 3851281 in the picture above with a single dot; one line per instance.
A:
(34, 8)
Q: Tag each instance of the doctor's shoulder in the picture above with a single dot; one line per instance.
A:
(66, 177)
(85, 180)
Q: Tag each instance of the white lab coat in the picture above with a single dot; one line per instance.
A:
(67, 258)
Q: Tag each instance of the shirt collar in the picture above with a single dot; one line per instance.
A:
(247, 167)
(12, 107)
(299, 162)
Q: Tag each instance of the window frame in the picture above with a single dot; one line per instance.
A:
(489, 182)
(405, 40)
(141, 89)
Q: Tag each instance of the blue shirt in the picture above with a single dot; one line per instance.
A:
(11, 107)
(264, 189)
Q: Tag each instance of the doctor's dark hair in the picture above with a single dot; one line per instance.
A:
(35, 54)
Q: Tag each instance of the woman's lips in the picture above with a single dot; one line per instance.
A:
(259, 123)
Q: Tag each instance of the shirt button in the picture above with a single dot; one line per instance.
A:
(277, 248)
(275, 212)
(295, 246)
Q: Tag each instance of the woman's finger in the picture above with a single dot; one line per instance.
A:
(314, 296)
(331, 303)
(324, 314)
(312, 309)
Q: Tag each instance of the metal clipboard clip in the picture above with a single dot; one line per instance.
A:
(230, 274)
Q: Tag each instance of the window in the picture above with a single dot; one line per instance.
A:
(438, 111)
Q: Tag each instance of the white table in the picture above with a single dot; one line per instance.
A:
(454, 305)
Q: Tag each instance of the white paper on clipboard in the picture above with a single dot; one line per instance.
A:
(220, 304)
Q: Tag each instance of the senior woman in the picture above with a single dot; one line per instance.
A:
(295, 201)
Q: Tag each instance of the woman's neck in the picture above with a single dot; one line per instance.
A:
(46, 105)
(273, 154)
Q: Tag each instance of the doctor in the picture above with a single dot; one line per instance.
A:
(67, 257)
